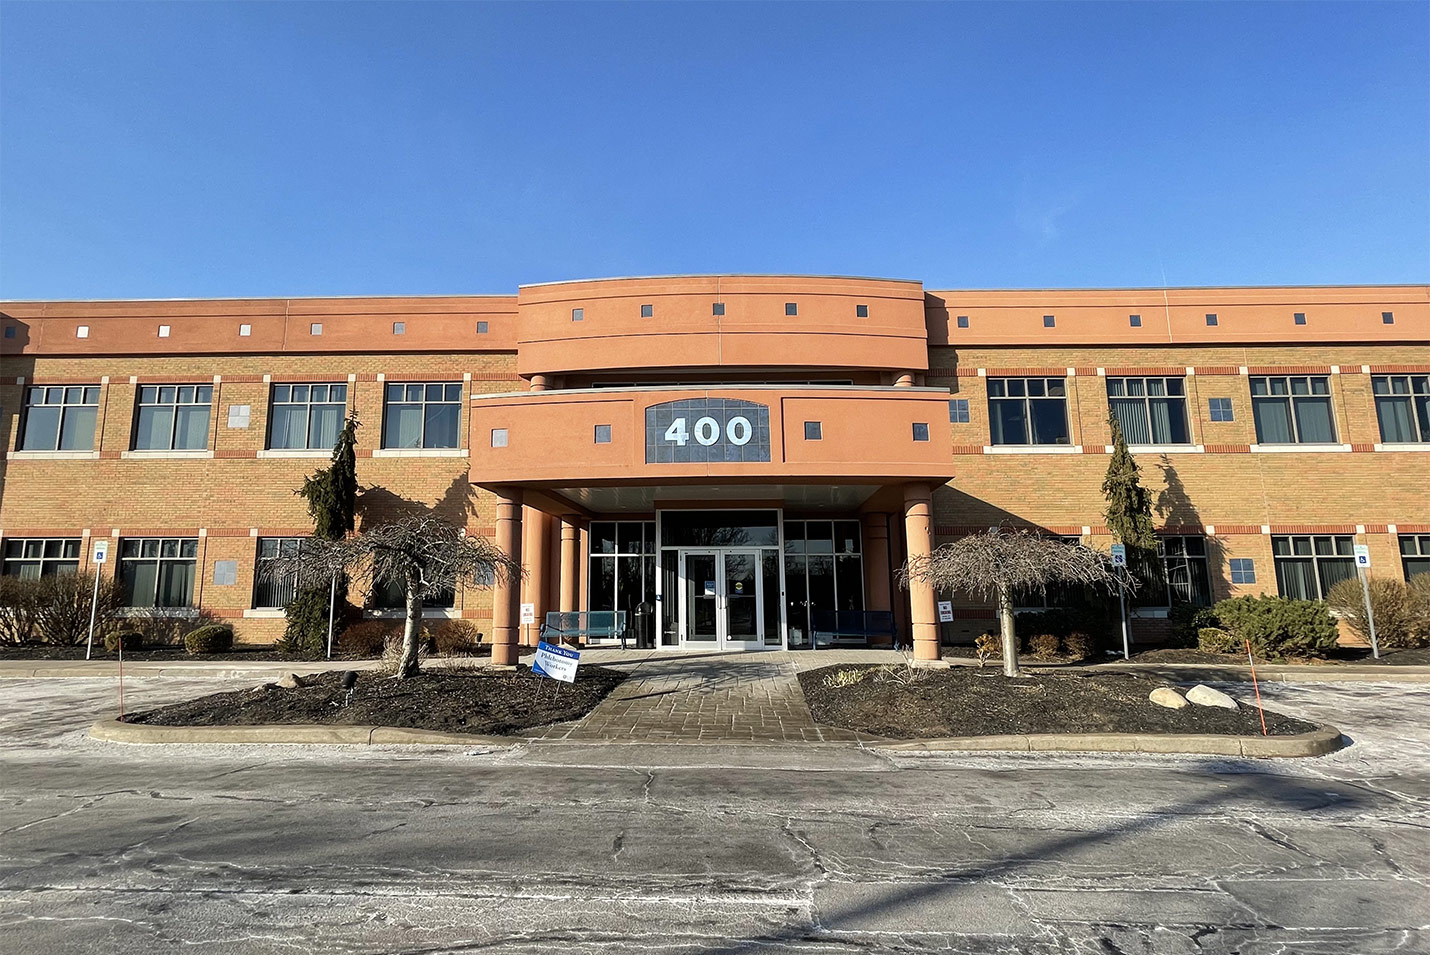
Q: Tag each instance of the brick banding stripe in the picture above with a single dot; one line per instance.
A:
(1398, 369)
(1313, 528)
(1165, 371)
(62, 381)
(1227, 448)
(245, 379)
(1223, 530)
(1289, 370)
(1059, 372)
(1216, 370)
(235, 454)
(158, 532)
(968, 449)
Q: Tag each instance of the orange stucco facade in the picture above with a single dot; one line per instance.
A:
(844, 423)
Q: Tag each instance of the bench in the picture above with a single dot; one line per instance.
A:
(845, 626)
(569, 626)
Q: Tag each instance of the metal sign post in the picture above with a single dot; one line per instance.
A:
(332, 600)
(1119, 560)
(1362, 565)
(99, 556)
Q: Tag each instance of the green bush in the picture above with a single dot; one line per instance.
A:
(1399, 623)
(1216, 640)
(214, 638)
(133, 640)
(1187, 622)
(306, 633)
(1278, 627)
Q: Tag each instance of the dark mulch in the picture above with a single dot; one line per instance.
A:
(968, 702)
(244, 653)
(1180, 655)
(1420, 656)
(480, 701)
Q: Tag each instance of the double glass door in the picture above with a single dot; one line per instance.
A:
(721, 598)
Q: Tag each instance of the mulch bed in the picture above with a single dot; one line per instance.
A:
(967, 702)
(479, 701)
(241, 653)
(1417, 657)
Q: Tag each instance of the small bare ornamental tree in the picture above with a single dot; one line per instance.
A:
(1001, 562)
(426, 554)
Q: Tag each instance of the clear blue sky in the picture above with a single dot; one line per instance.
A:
(206, 149)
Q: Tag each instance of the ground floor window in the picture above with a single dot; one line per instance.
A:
(31, 557)
(270, 591)
(824, 571)
(158, 571)
(1415, 554)
(392, 595)
(1307, 567)
(622, 570)
(1177, 574)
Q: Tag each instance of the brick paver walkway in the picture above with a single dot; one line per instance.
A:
(703, 698)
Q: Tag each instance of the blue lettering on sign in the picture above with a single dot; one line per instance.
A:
(556, 662)
(707, 429)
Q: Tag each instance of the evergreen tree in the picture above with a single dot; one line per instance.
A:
(1129, 505)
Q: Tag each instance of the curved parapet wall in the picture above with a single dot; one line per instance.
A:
(721, 321)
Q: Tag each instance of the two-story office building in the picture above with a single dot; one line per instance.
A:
(740, 454)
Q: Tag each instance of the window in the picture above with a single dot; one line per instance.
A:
(1387, 318)
(791, 308)
(958, 410)
(1211, 318)
(717, 308)
(32, 557)
(392, 595)
(173, 417)
(424, 415)
(1049, 321)
(1243, 570)
(499, 437)
(399, 328)
(1028, 410)
(316, 328)
(306, 416)
(921, 431)
(272, 591)
(647, 311)
(1292, 410)
(622, 568)
(963, 321)
(10, 331)
(163, 331)
(603, 434)
(1135, 321)
(1150, 410)
(60, 418)
(245, 330)
(1220, 409)
(1299, 318)
(813, 431)
(1402, 403)
(824, 572)
(1308, 567)
(82, 331)
(157, 571)
(482, 328)
(861, 311)
(578, 314)
(1177, 573)
(1414, 554)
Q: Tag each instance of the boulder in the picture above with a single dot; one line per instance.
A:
(1203, 695)
(1168, 697)
(291, 681)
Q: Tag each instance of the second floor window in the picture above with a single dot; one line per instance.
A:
(421, 415)
(307, 416)
(1292, 410)
(1150, 410)
(158, 571)
(1308, 567)
(1402, 403)
(60, 419)
(1028, 410)
(31, 557)
(173, 418)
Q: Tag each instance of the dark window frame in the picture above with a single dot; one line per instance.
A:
(1293, 401)
(424, 402)
(1291, 551)
(185, 553)
(16, 556)
(281, 394)
(1415, 397)
(153, 396)
(1121, 400)
(69, 404)
(1024, 391)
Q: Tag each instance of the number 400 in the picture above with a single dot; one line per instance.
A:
(738, 431)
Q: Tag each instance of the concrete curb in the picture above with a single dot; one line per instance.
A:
(1268, 673)
(1318, 742)
(116, 732)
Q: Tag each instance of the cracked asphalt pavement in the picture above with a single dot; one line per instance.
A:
(824, 848)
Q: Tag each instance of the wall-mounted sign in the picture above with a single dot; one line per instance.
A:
(707, 429)
(528, 613)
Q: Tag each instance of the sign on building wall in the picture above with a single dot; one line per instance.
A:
(707, 429)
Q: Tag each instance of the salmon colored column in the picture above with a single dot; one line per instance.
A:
(570, 550)
(918, 531)
(876, 562)
(506, 594)
(534, 556)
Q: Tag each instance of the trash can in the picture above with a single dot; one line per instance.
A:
(644, 615)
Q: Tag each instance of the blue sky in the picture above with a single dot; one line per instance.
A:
(210, 149)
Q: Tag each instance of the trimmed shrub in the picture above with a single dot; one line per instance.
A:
(1278, 627)
(62, 616)
(19, 604)
(1043, 646)
(1096, 621)
(367, 638)
(214, 638)
(132, 639)
(453, 637)
(1187, 622)
(1215, 640)
(1397, 618)
(1079, 646)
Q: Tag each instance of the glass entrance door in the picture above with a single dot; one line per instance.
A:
(722, 599)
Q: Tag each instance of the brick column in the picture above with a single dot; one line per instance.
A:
(506, 594)
(918, 532)
(570, 549)
(534, 557)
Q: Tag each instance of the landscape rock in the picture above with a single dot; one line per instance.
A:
(1168, 697)
(291, 681)
(1203, 695)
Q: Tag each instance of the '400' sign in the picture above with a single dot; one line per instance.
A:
(707, 429)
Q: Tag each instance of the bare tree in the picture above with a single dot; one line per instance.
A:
(426, 554)
(1002, 561)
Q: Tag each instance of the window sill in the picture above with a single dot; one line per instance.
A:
(179, 613)
(294, 453)
(1148, 613)
(1032, 449)
(52, 456)
(420, 453)
(428, 613)
(167, 454)
(1404, 446)
(265, 614)
(1299, 448)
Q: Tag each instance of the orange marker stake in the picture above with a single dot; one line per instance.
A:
(1256, 687)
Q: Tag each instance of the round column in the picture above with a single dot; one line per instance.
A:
(570, 552)
(918, 535)
(534, 558)
(506, 593)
